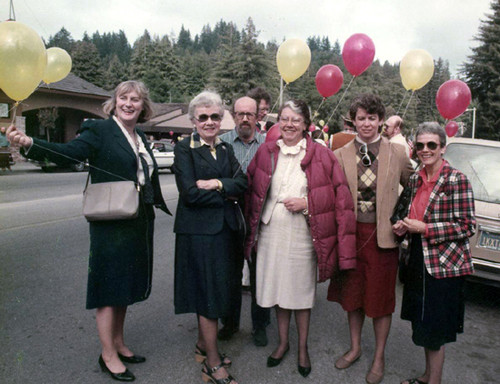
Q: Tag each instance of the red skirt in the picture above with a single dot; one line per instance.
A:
(371, 286)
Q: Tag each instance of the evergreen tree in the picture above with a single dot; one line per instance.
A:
(184, 41)
(482, 74)
(115, 73)
(61, 39)
(193, 74)
(141, 52)
(153, 62)
(87, 63)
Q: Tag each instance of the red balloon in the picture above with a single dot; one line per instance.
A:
(329, 79)
(312, 128)
(274, 133)
(451, 128)
(325, 128)
(358, 53)
(452, 98)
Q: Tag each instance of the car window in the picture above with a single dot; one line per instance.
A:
(480, 164)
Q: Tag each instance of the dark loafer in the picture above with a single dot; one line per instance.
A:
(135, 359)
(275, 361)
(121, 376)
(304, 371)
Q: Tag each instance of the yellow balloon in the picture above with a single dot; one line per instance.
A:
(22, 60)
(416, 69)
(293, 59)
(58, 65)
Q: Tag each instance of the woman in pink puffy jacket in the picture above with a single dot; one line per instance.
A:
(299, 207)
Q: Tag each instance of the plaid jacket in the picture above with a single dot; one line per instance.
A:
(450, 222)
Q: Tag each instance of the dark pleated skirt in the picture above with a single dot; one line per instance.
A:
(121, 260)
(204, 270)
(435, 307)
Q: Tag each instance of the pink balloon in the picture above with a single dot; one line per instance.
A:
(358, 53)
(329, 79)
(325, 128)
(171, 133)
(312, 128)
(451, 128)
(452, 98)
(274, 133)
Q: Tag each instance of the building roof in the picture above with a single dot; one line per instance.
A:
(174, 117)
(75, 84)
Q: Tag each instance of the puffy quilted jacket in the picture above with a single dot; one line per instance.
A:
(331, 210)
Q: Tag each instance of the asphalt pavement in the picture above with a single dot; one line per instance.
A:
(46, 335)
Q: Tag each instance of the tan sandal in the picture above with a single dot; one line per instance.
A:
(200, 356)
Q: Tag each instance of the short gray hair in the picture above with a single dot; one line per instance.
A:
(432, 128)
(205, 99)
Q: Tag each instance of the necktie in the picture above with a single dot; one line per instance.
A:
(147, 188)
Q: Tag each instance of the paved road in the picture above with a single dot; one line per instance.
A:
(46, 335)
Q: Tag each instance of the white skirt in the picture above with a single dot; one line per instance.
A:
(286, 262)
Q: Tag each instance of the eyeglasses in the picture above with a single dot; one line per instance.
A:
(432, 145)
(295, 122)
(204, 118)
(248, 115)
(365, 157)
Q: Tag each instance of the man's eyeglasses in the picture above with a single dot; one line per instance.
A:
(248, 115)
(204, 118)
(295, 122)
(432, 145)
(365, 157)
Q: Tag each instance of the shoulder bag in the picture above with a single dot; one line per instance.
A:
(118, 200)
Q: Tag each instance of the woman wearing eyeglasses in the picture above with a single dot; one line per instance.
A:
(440, 222)
(374, 168)
(208, 178)
(301, 219)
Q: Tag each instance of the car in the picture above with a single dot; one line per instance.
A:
(164, 154)
(48, 166)
(6, 160)
(479, 160)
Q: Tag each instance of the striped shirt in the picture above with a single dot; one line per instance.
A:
(244, 152)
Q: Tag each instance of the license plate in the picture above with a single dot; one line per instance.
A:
(489, 240)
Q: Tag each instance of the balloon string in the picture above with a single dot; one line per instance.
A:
(401, 104)
(317, 109)
(340, 101)
(407, 105)
(274, 106)
(12, 12)
(14, 110)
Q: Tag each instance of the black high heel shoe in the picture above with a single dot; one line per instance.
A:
(275, 361)
(122, 376)
(134, 359)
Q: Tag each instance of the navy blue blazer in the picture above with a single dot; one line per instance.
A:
(201, 211)
(108, 151)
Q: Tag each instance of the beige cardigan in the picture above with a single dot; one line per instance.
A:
(394, 168)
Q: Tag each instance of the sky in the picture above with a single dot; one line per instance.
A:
(444, 28)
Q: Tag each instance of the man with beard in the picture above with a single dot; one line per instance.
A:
(245, 140)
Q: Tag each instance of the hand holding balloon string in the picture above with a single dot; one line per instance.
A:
(16, 137)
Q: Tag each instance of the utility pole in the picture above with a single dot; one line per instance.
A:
(473, 120)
